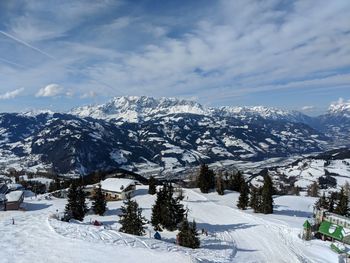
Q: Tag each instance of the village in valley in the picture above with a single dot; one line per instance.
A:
(214, 216)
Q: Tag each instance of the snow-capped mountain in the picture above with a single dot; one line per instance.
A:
(335, 123)
(138, 109)
(340, 107)
(267, 113)
(148, 134)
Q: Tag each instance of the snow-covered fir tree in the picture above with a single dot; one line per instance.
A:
(131, 218)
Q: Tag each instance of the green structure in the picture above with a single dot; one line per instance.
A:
(332, 231)
(338, 248)
(307, 234)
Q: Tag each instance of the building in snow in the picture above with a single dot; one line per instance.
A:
(333, 226)
(117, 188)
(323, 215)
(13, 200)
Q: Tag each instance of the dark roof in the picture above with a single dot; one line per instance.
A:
(3, 189)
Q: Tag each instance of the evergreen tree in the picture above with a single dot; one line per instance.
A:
(236, 181)
(180, 194)
(82, 202)
(219, 185)
(205, 179)
(188, 236)
(343, 204)
(243, 200)
(266, 195)
(322, 203)
(52, 187)
(152, 185)
(167, 211)
(331, 201)
(347, 189)
(131, 218)
(76, 206)
(313, 190)
(254, 195)
(173, 213)
(99, 201)
(296, 190)
(156, 218)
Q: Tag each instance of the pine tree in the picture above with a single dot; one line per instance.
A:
(156, 218)
(313, 190)
(331, 201)
(152, 185)
(235, 182)
(296, 190)
(266, 195)
(205, 179)
(343, 204)
(76, 206)
(167, 212)
(243, 200)
(131, 218)
(254, 195)
(99, 201)
(173, 211)
(82, 208)
(347, 189)
(322, 203)
(188, 236)
(219, 185)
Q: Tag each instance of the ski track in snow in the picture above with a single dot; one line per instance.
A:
(112, 237)
(287, 250)
(234, 236)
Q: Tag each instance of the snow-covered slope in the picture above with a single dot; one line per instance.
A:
(233, 235)
(331, 166)
(70, 144)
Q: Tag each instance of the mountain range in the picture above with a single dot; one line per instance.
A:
(149, 135)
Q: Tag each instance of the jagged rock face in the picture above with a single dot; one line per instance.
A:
(139, 133)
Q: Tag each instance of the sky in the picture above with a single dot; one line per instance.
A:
(62, 54)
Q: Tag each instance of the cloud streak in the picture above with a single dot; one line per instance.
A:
(11, 94)
(26, 44)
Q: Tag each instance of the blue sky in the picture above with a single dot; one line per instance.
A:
(61, 54)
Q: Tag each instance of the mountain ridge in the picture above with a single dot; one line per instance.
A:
(145, 134)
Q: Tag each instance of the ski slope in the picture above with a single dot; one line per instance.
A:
(233, 235)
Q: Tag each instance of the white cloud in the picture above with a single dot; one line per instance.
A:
(11, 94)
(308, 108)
(51, 90)
(89, 94)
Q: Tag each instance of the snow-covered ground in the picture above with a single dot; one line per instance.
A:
(233, 235)
(308, 171)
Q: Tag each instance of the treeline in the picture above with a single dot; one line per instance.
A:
(336, 202)
(258, 198)
(167, 212)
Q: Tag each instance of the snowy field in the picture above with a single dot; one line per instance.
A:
(233, 235)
